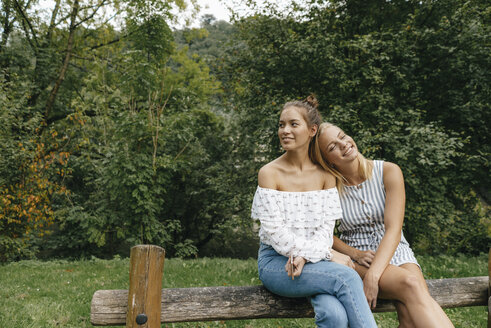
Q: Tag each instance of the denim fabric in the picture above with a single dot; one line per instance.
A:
(331, 287)
(329, 312)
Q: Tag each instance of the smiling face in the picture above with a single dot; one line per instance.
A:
(293, 130)
(337, 147)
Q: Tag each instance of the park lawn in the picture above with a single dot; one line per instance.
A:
(57, 293)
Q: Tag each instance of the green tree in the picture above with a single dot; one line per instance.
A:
(370, 68)
(30, 173)
(127, 111)
(149, 157)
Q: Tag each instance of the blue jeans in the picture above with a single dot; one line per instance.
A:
(335, 290)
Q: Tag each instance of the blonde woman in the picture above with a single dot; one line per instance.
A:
(373, 200)
(297, 204)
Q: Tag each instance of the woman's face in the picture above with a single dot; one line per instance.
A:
(337, 147)
(293, 130)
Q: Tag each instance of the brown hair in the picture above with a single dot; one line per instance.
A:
(310, 105)
(364, 170)
(310, 114)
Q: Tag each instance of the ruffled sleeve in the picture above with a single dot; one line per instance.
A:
(266, 208)
(297, 223)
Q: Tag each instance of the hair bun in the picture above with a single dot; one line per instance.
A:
(311, 100)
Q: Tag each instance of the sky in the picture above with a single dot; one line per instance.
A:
(216, 8)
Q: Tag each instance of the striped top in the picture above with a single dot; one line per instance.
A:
(362, 226)
(297, 223)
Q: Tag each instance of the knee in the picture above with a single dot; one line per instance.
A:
(333, 316)
(411, 286)
(347, 279)
(335, 319)
(351, 277)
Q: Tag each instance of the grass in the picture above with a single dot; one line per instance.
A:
(58, 293)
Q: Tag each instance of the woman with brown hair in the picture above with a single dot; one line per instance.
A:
(373, 199)
(297, 204)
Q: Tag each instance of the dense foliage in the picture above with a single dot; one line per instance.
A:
(409, 80)
(116, 130)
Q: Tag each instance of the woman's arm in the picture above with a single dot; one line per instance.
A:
(393, 219)
(314, 248)
(364, 258)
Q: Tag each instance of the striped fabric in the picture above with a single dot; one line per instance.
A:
(362, 225)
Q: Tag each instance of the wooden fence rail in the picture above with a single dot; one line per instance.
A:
(110, 307)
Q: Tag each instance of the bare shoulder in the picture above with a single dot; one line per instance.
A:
(267, 176)
(329, 179)
(392, 174)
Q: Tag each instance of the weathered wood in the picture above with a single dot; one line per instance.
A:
(489, 312)
(489, 289)
(145, 292)
(254, 302)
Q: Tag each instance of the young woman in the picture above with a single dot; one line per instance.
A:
(373, 200)
(297, 204)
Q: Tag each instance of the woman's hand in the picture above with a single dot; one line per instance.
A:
(370, 287)
(364, 258)
(342, 259)
(298, 263)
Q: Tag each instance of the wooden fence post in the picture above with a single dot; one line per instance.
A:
(489, 289)
(144, 296)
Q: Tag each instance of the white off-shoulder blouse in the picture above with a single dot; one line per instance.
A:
(297, 223)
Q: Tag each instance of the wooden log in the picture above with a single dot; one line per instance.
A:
(255, 302)
(145, 293)
(489, 289)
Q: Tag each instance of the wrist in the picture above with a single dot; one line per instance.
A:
(356, 254)
(370, 275)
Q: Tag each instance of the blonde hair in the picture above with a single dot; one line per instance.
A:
(364, 169)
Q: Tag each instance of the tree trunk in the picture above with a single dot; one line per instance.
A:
(69, 48)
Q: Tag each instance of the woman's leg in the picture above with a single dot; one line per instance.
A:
(436, 308)
(318, 278)
(406, 284)
(403, 316)
(329, 312)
